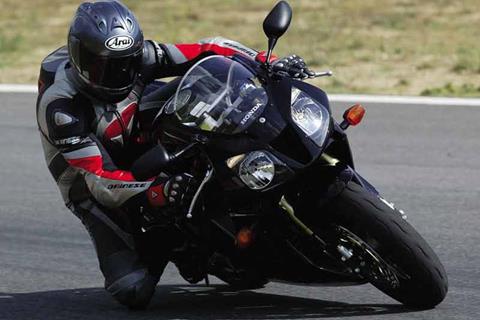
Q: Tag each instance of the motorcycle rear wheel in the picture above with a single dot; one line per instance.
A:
(421, 280)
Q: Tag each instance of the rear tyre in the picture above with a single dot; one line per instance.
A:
(422, 280)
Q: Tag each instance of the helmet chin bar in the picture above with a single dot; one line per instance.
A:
(109, 95)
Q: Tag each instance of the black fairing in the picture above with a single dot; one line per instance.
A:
(292, 145)
(274, 130)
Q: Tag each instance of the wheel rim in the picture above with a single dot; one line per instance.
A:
(364, 260)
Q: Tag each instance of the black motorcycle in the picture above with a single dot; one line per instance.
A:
(278, 198)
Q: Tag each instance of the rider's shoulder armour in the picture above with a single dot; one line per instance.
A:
(50, 66)
(152, 60)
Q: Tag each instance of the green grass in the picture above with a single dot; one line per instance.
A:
(9, 45)
(468, 60)
(464, 90)
(373, 46)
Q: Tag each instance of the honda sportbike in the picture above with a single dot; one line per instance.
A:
(277, 195)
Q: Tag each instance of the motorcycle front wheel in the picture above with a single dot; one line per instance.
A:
(379, 245)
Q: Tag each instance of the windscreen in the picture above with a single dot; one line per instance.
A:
(218, 95)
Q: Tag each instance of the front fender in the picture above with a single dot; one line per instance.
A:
(327, 183)
(356, 177)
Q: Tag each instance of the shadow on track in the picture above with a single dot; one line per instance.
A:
(184, 302)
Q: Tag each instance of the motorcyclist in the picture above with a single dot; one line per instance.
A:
(91, 125)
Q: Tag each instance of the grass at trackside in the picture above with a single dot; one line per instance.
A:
(429, 47)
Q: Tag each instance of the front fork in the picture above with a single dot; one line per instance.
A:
(344, 176)
(336, 256)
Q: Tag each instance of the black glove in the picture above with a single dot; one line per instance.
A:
(292, 66)
(168, 200)
(179, 190)
(174, 192)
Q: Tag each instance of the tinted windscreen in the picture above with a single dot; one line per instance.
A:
(218, 95)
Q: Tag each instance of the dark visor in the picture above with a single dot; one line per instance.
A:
(113, 73)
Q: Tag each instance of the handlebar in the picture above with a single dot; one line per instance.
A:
(280, 70)
(169, 159)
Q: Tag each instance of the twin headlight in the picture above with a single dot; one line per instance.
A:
(258, 169)
(255, 169)
(310, 116)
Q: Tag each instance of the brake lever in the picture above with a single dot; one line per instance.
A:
(328, 73)
(206, 179)
(282, 71)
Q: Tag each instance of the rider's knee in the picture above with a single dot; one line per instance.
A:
(135, 290)
(128, 280)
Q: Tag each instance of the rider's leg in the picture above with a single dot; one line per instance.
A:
(127, 278)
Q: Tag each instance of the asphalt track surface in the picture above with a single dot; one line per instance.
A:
(426, 159)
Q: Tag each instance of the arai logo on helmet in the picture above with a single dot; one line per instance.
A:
(119, 43)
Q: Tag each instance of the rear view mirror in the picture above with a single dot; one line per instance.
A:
(278, 20)
(276, 24)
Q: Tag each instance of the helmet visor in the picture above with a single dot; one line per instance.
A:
(109, 72)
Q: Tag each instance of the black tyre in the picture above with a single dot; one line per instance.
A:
(421, 278)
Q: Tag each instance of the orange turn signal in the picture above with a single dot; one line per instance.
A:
(354, 114)
(244, 238)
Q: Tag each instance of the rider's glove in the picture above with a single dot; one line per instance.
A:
(177, 191)
(292, 66)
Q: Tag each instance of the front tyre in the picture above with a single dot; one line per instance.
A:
(412, 272)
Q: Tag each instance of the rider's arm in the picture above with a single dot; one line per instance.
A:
(66, 128)
(169, 60)
(107, 184)
(178, 58)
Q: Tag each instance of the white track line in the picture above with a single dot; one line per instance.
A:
(340, 98)
(20, 88)
(431, 101)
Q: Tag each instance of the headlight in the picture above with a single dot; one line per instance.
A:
(310, 116)
(257, 170)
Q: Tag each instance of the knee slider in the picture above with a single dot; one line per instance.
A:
(135, 290)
